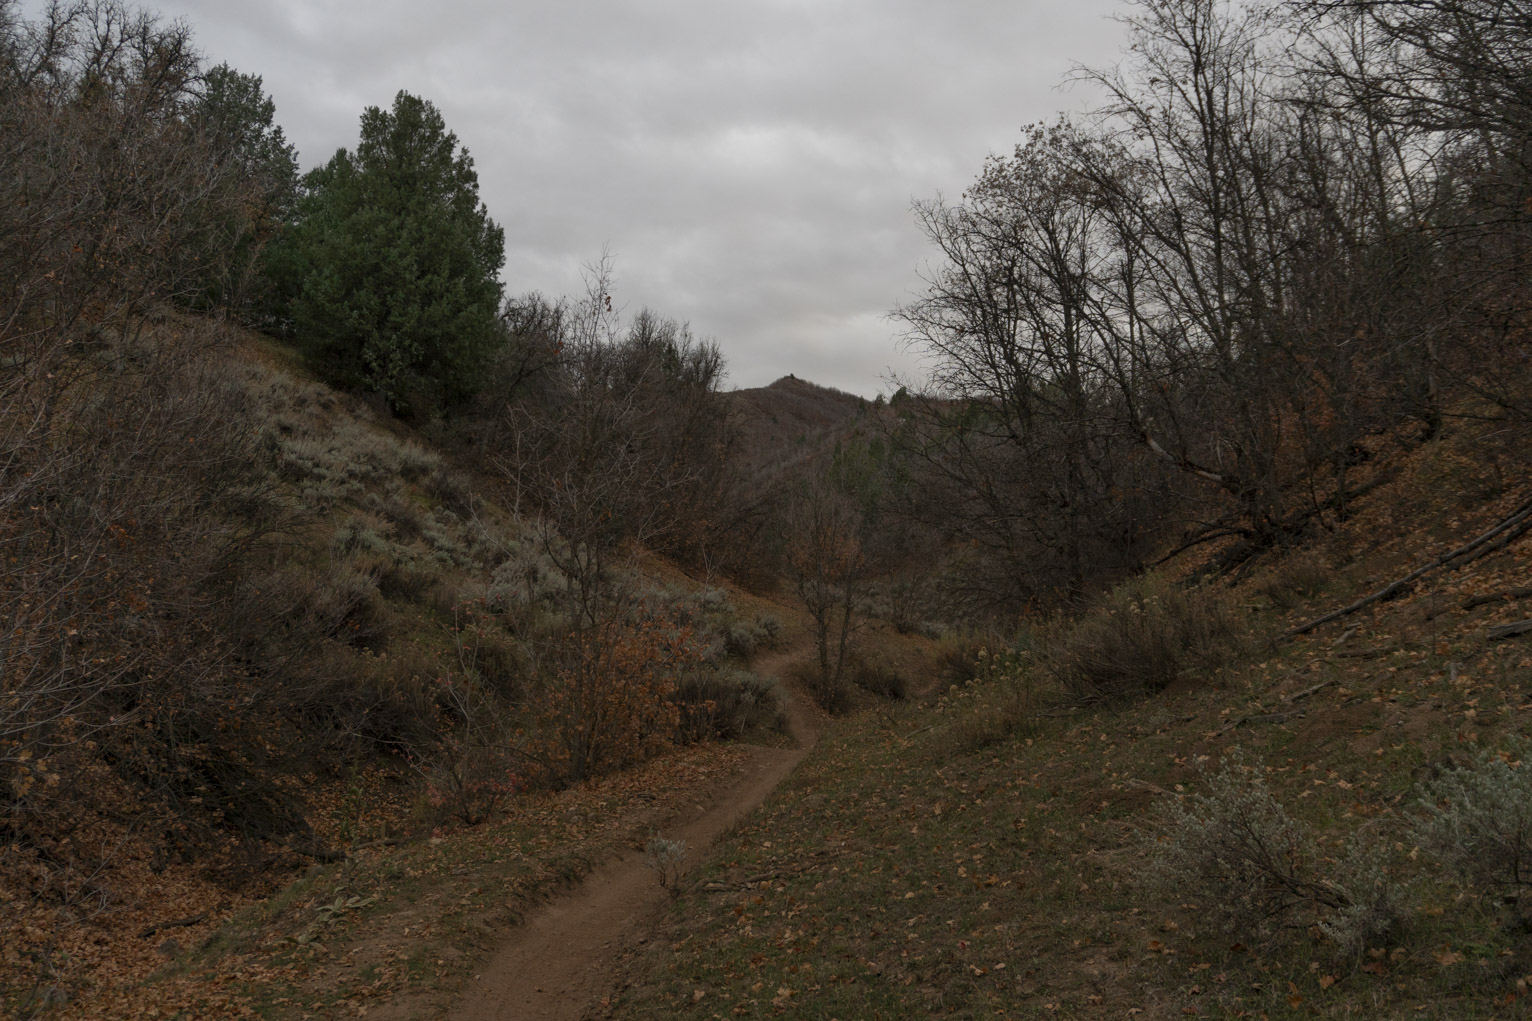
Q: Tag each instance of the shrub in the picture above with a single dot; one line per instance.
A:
(726, 704)
(385, 701)
(1234, 849)
(883, 681)
(771, 630)
(1478, 821)
(742, 638)
(604, 697)
(1008, 706)
(832, 693)
(1371, 900)
(957, 658)
(527, 577)
(356, 537)
(1145, 634)
(408, 583)
(343, 604)
(470, 770)
(667, 859)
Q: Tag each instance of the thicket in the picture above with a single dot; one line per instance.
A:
(612, 430)
(1235, 849)
(139, 512)
(1143, 636)
(1182, 316)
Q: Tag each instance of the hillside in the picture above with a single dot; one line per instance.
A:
(382, 644)
(792, 423)
(1002, 848)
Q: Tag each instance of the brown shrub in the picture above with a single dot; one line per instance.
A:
(957, 657)
(604, 697)
(726, 704)
(1144, 635)
(832, 694)
(1008, 704)
(408, 583)
(1299, 578)
(879, 679)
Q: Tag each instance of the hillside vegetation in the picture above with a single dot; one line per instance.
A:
(1330, 825)
(1173, 630)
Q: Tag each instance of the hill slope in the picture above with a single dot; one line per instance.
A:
(793, 422)
(1001, 851)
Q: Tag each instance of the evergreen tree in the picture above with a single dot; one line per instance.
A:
(392, 265)
(236, 120)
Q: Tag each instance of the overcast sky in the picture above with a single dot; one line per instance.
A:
(749, 163)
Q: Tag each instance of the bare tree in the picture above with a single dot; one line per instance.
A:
(622, 442)
(1021, 425)
(823, 528)
(1449, 77)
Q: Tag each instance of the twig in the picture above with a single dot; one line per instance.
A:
(380, 842)
(1146, 785)
(1456, 558)
(1306, 692)
(1221, 532)
(1258, 718)
(1344, 635)
(179, 923)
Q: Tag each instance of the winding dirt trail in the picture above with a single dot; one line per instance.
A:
(561, 960)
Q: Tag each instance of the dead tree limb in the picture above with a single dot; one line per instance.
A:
(179, 923)
(1511, 527)
(1521, 627)
(1508, 596)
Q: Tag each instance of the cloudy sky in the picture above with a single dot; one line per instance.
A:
(750, 164)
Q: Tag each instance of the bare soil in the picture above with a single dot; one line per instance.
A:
(559, 964)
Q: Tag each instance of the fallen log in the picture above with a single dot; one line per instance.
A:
(1512, 527)
(1508, 596)
(1521, 627)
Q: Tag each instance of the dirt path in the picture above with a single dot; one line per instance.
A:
(559, 963)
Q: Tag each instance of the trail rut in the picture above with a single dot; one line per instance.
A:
(557, 965)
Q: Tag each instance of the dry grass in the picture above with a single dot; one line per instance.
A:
(1296, 580)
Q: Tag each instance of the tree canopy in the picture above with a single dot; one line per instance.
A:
(237, 121)
(393, 261)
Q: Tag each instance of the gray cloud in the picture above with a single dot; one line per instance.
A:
(750, 163)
